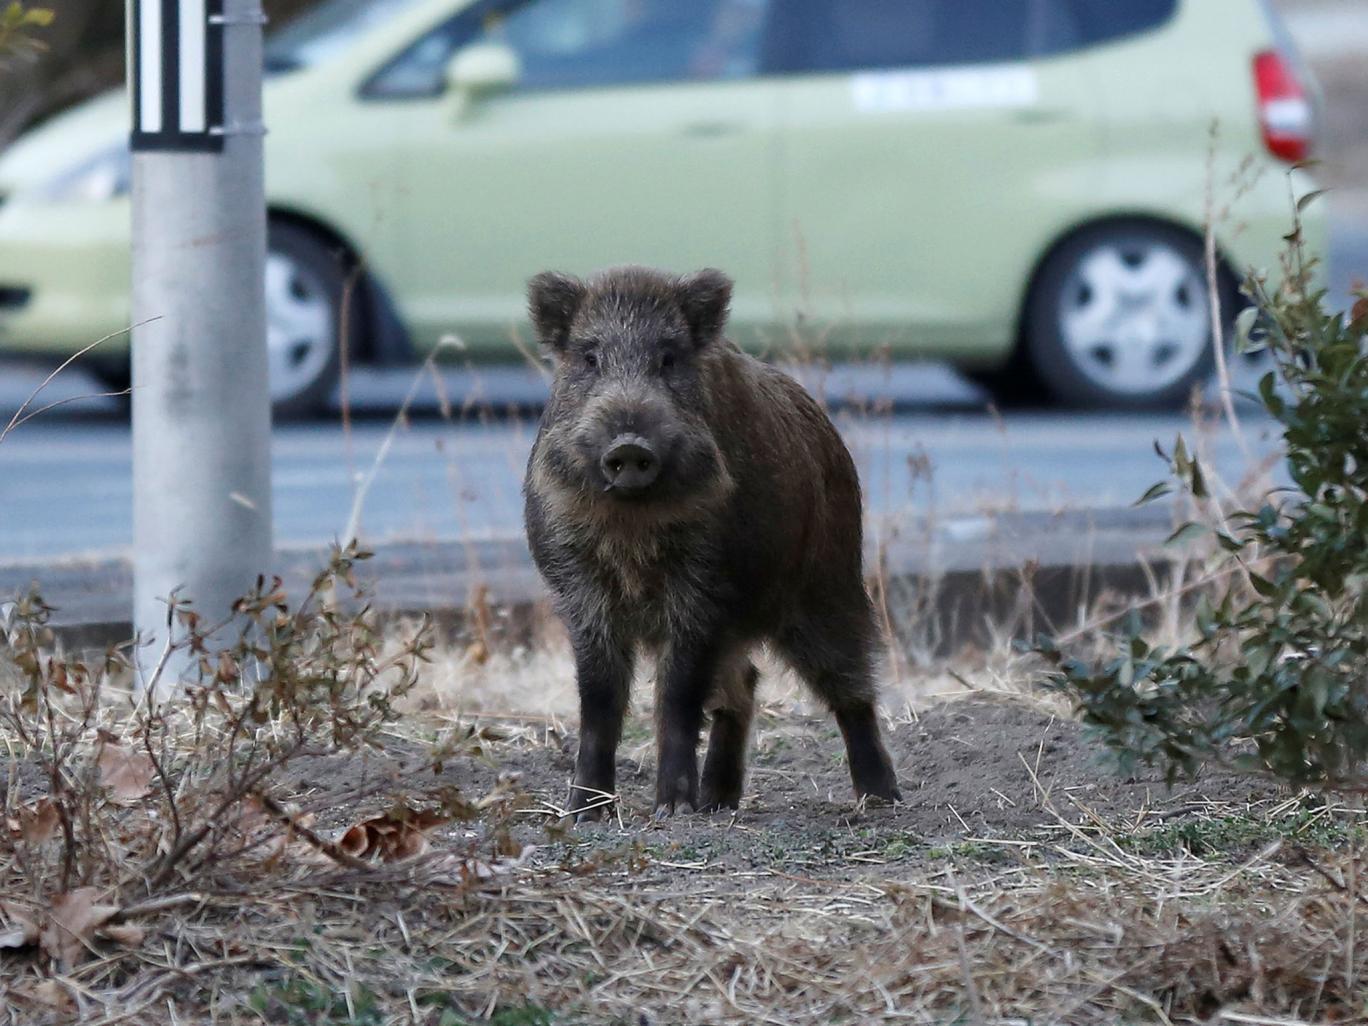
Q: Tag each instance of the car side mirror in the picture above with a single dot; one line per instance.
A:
(481, 69)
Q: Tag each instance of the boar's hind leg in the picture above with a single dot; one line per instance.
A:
(732, 706)
(603, 671)
(836, 664)
(871, 771)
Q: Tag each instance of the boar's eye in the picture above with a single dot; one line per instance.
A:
(591, 359)
(667, 360)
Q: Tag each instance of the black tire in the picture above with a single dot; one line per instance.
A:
(322, 270)
(1098, 371)
(113, 375)
(329, 268)
(1014, 385)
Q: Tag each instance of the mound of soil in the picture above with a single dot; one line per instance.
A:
(971, 770)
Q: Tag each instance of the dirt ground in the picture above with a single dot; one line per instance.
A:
(974, 771)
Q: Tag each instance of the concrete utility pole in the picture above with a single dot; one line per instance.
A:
(201, 403)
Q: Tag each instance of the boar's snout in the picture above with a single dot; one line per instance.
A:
(629, 465)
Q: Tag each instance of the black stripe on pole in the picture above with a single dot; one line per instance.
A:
(134, 63)
(170, 62)
(213, 65)
(170, 135)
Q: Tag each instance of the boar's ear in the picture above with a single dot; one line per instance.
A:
(704, 297)
(552, 300)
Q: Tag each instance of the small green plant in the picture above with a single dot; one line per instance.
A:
(16, 21)
(1274, 680)
(300, 1001)
(1235, 833)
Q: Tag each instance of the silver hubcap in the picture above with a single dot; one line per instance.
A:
(1134, 316)
(299, 326)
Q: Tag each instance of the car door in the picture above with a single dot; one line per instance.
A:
(928, 150)
(637, 132)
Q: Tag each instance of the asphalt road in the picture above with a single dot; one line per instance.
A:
(65, 479)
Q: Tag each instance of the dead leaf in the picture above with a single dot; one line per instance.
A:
(36, 823)
(398, 834)
(48, 993)
(1359, 312)
(58, 677)
(127, 774)
(251, 820)
(126, 934)
(72, 922)
(20, 931)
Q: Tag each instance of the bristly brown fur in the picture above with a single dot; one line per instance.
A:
(750, 533)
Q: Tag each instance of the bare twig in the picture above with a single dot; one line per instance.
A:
(21, 415)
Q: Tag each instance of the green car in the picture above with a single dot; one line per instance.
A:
(1017, 186)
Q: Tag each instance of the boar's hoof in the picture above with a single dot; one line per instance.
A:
(719, 797)
(588, 804)
(593, 814)
(720, 805)
(871, 770)
(881, 793)
(673, 790)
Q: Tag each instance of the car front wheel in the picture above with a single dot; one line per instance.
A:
(305, 282)
(1119, 317)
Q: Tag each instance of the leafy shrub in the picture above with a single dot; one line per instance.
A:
(1275, 679)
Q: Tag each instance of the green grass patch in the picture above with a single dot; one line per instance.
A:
(1236, 835)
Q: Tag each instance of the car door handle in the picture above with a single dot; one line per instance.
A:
(710, 129)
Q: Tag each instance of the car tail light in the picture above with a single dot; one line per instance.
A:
(1285, 114)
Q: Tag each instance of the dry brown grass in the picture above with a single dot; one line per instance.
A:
(1073, 928)
(1107, 939)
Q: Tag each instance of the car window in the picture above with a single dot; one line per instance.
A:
(567, 44)
(1100, 21)
(324, 30)
(844, 35)
(848, 35)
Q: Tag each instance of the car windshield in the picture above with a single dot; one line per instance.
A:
(325, 30)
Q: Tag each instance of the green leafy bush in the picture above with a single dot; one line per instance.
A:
(1276, 678)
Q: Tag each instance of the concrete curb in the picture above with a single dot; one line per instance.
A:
(945, 583)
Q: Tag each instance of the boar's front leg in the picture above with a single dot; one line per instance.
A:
(683, 684)
(603, 670)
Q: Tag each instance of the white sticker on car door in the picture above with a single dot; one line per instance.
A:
(945, 89)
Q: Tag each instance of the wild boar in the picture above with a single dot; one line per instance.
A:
(687, 500)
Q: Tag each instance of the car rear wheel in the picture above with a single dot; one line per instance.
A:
(1119, 318)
